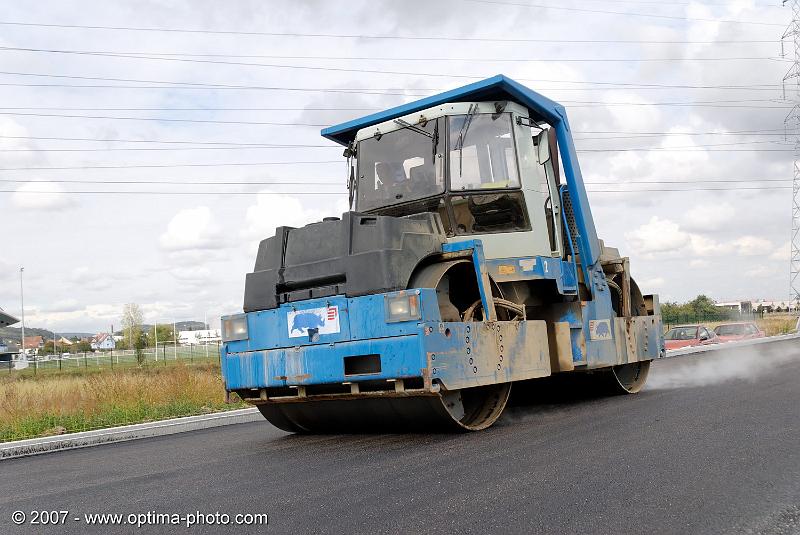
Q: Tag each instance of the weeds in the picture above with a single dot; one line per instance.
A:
(31, 407)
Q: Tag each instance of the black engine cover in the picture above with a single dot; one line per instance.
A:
(358, 254)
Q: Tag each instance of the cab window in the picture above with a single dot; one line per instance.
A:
(496, 212)
(481, 152)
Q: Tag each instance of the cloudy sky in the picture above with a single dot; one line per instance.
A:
(144, 166)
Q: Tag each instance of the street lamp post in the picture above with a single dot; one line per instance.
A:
(22, 305)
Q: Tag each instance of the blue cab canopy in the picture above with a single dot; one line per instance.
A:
(496, 88)
(6, 319)
(541, 108)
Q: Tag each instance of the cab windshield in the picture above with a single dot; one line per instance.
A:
(403, 171)
(482, 152)
(399, 166)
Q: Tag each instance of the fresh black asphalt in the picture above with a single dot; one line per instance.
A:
(712, 446)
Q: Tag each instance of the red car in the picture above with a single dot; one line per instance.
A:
(689, 336)
(728, 332)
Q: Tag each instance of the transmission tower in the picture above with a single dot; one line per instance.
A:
(792, 123)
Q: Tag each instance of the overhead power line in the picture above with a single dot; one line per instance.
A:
(362, 36)
(340, 181)
(343, 193)
(365, 92)
(606, 135)
(192, 182)
(182, 192)
(166, 166)
(661, 3)
(163, 119)
(173, 119)
(372, 109)
(700, 148)
(117, 140)
(192, 58)
(372, 71)
(624, 13)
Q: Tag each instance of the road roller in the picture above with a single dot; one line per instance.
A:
(468, 265)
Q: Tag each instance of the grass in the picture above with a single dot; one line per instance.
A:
(52, 404)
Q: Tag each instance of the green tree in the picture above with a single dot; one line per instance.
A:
(165, 334)
(703, 306)
(48, 348)
(81, 346)
(132, 318)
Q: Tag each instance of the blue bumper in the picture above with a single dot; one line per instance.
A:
(363, 348)
(279, 353)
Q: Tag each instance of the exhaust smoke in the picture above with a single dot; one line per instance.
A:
(723, 365)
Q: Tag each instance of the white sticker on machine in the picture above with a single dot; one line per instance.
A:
(600, 329)
(313, 321)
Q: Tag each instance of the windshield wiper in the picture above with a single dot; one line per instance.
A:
(473, 108)
(412, 127)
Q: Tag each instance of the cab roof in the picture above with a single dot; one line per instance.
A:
(6, 319)
(497, 88)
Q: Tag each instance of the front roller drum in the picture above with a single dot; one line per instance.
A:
(469, 409)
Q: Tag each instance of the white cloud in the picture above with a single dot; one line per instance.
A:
(752, 246)
(658, 236)
(272, 210)
(709, 217)
(8, 271)
(91, 279)
(664, 237)
(41, 195)
(654, 283)
(192, 229)
(81, 274)
(192, 274)
(761, 271)
(783, 252)
(66, 305)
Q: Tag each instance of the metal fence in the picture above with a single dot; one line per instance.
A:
(126, 358)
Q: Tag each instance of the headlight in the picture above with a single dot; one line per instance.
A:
(234, 328)
(402, 307)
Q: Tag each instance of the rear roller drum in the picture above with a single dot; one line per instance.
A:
(629, 378)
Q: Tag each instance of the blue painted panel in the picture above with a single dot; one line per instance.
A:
(269, 329)
(535, 268)
(367, 315)
(401, 357)
(479, 261)
(599, 353)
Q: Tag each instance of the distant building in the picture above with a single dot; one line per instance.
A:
(32, 344)
(772, 306)
(196, 338)
(64, 341)
(103, 342)
(732, 305)
(747, 307)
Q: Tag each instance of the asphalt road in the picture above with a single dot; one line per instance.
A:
(712, 446)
